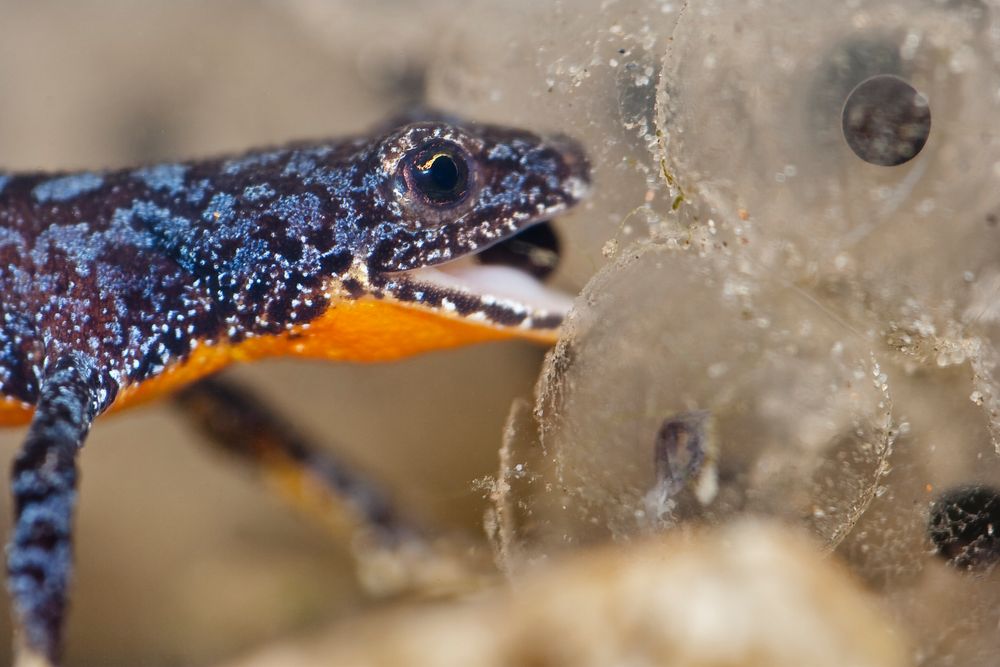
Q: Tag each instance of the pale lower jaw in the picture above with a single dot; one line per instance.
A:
(497, 283)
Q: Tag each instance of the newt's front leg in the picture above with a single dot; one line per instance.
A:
(44, 475)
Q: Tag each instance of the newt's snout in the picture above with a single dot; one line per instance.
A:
(575, 164)
(472, 257)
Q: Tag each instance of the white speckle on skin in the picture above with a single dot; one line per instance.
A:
(64, 188)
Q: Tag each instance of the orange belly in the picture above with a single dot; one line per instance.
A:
(365, 330)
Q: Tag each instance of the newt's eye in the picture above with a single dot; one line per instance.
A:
(439, 174)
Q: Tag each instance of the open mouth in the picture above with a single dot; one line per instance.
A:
(502, 284)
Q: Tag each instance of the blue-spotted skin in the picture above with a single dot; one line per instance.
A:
(107, 278)
(135, 268)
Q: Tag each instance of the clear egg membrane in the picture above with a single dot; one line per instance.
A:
(925, 544)
(780, 110)
(686, 390)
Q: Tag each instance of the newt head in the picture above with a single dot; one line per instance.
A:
(452, 225)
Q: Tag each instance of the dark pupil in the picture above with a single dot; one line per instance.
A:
(439, 177)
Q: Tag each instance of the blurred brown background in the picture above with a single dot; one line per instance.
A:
(182, 557)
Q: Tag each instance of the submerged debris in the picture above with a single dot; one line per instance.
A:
(751, 594)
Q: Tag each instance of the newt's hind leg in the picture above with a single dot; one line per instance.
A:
(44, 475)
(393, 553)
(314, 481)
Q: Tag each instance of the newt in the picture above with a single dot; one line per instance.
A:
(122, 286)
